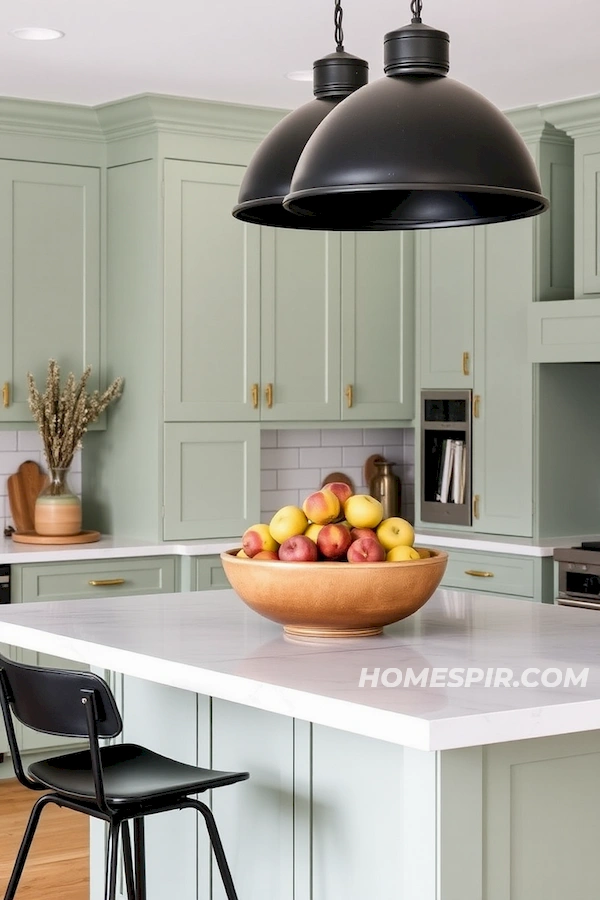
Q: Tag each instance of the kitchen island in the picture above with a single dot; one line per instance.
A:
(381, 791)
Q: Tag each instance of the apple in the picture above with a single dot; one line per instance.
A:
(257, 538)
(242, 555)
(333, 541)
(423, 552)
(286, 523)
(395, 532)
(322, 507)
(341, 490)
(298, 548)
(356, 533)
(402, 553)
(363, 511)
(266, 554)
(365, 549)
(313, 531)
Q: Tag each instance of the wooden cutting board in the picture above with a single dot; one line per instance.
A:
(23, 489)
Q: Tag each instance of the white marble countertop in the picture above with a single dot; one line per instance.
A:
(113, 547)
(108, 548)
(211, 643)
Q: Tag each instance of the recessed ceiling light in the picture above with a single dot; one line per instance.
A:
(303, 75)
(37, 34)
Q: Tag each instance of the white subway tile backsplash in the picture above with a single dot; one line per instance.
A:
(383, 436)
(25, 440)
(284, 458)
(357, 456)
(276, 499)
(10, 461)
(341, 437)
(296, 438)
(268, 479)
(268, 438)
(320, 457)
(8, 441)
(306, 479)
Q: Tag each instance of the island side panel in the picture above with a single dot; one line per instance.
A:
(373, 819)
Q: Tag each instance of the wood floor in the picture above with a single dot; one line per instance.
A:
(58, 866)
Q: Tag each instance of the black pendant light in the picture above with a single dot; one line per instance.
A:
(415, 150)
(268, 176)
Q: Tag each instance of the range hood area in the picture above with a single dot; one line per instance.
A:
(568, 330)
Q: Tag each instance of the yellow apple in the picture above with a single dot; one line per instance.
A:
(363, 511)
(395, 532)
(287, 522)
(402, 553)
(423, 552)
(242, 555)
(313, 531)
(257, 538)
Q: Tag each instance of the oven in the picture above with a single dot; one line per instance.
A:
(579, 576)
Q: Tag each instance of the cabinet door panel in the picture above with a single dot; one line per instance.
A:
(503, 432)
(378, 325)
(446, 298)
(212, 286)
(300, 324)
(212, 488)
(591, 224)
(50, 265)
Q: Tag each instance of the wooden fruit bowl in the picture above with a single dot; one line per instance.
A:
(334, 599)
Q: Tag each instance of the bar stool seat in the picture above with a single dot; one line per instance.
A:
(118, 783)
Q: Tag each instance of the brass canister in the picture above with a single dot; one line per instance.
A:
(385, 487)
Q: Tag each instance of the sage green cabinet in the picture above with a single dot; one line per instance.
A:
(446, 292)
(50, 274)
(207, 574)
(212, 484)
(378, 330)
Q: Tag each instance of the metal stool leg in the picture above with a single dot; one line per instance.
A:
(128, 862)
(140, 859)
(112, 856)
(217, 846)
(28, 836)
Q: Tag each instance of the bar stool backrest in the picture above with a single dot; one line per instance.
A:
(50, 700)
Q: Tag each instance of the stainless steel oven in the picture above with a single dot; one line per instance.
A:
(579, 576)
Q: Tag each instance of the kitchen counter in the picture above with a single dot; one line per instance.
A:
(498, 543)
(108, 548)
(214, 645)
(344, 782)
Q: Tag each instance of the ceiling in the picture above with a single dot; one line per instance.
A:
(514, 52)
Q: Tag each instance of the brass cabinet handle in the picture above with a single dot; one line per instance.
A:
(476, 506)
(476, 405)
(269, 395)
(479, 574)
(254, 396)
(6, 394)
(349, 395)
(106, 582)
(465, 366)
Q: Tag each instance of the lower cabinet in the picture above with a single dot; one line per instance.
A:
(207, 574)
(526, 577)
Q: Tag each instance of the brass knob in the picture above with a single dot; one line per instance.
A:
(269, 395)
(349, 395)
(254, 396)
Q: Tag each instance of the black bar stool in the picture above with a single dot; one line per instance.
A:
(118, 783)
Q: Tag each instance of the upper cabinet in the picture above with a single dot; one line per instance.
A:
(279, 325)
(50, 275)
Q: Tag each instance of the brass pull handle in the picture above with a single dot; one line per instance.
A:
(476, 506)
(269, 395)
(476, 405)
(106, 582)
(349, 395)
(254, 396)
(465, 366)
(479, 574)
(6, 394)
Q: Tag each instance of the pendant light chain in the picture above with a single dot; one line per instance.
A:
(415, 7)
(339, 31)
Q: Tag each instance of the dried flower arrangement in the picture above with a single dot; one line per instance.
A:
(63, 416)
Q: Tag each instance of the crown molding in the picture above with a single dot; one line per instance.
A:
(578, 117)
(58, 120)
(532, 125)
(153, 113)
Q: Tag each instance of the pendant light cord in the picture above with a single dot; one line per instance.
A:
(338, 15)
(415, 7)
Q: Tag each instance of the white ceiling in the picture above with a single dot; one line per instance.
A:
(516, 52)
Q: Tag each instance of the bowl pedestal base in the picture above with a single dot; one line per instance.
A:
(323, 631)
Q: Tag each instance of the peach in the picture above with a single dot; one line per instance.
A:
(266, 554)
(257, 538)
(322, 507)
(366, 550)
(341, 490)
(333, 541)
(298, 549)
(356, 533)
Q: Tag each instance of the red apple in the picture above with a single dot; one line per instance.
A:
(266, 554)
(341, 490)
(356, 533)
(299, 549)
(333, 541)
(366, 549)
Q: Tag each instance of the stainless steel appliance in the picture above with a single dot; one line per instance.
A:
(579, 575)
